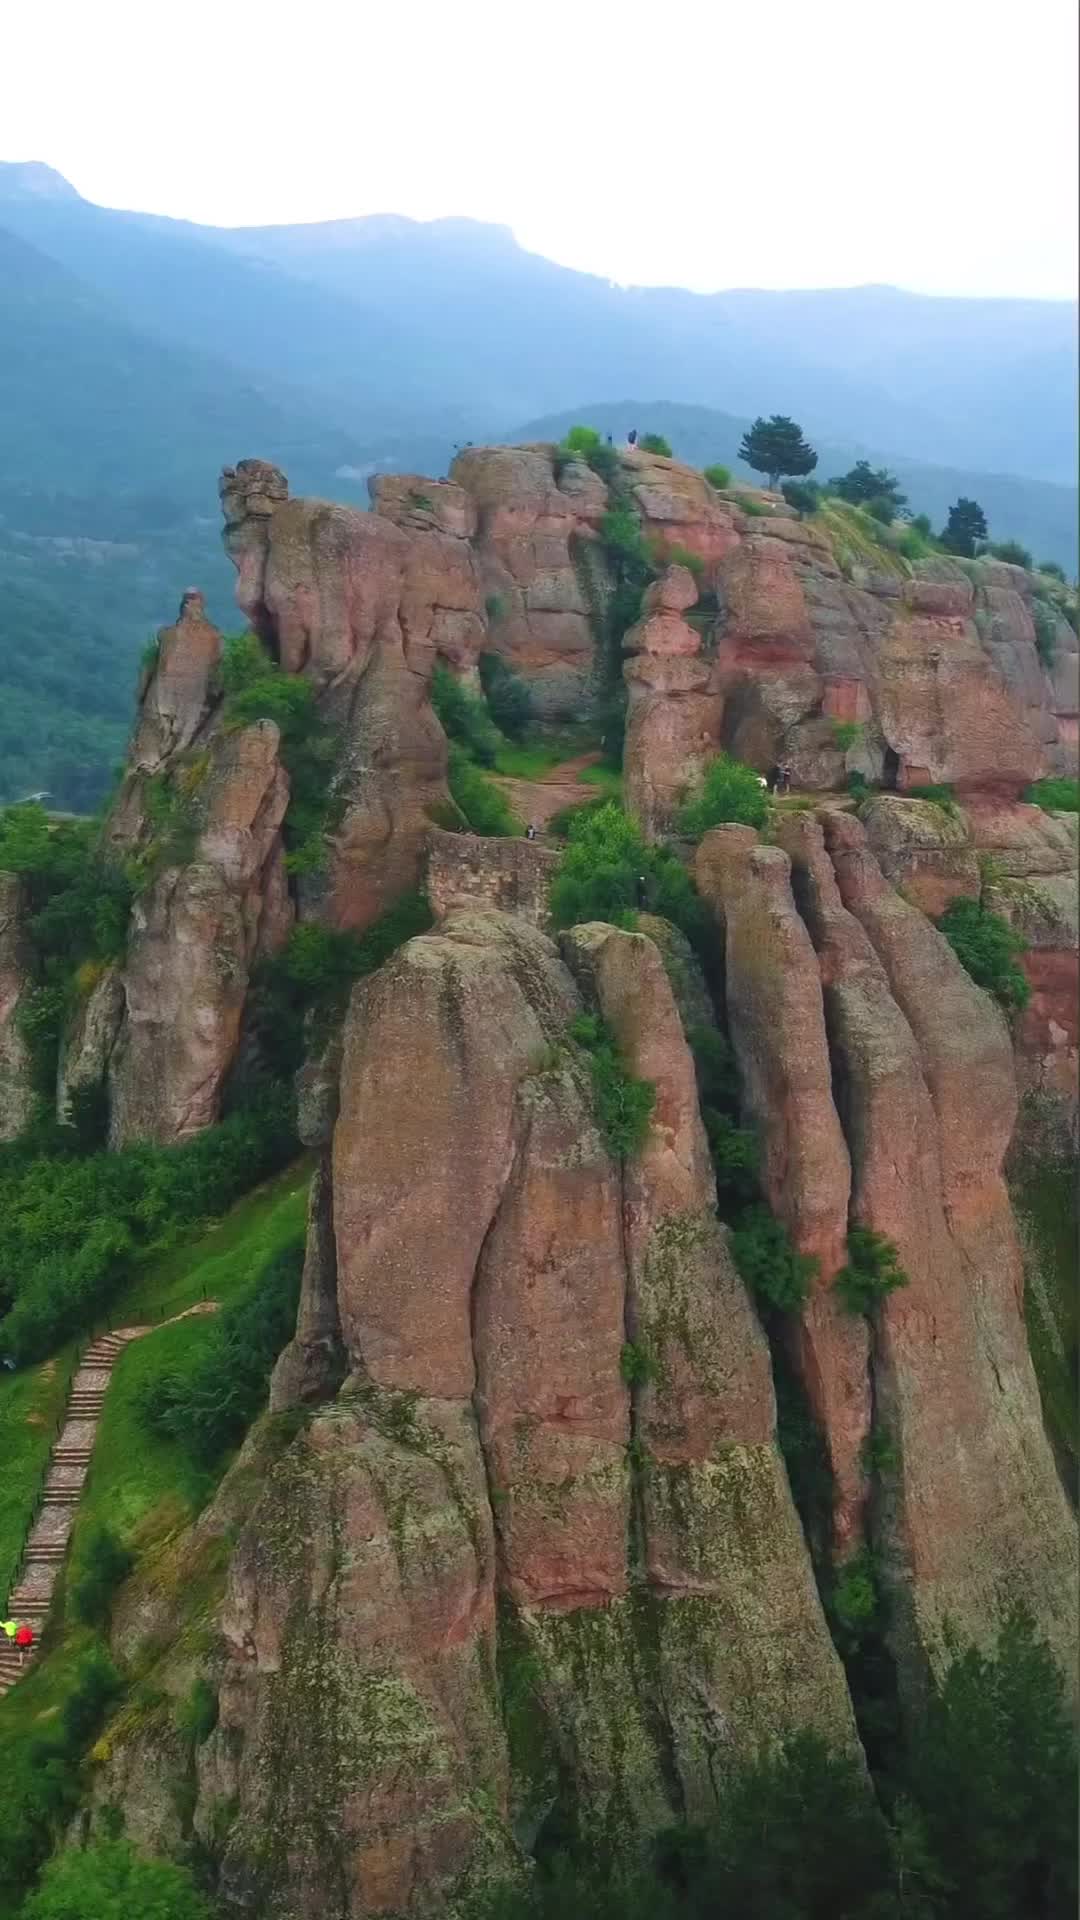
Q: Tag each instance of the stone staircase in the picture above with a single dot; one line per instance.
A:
(69, 1463)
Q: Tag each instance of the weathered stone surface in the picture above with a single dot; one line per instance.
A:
(721, 1545)
(672, 719)
(363, 608)
(923, 850)
(176, 694)
(16, 1092)
(778, 1028)
(525, 523)
(312, 1367)
(417, 504)
(194, 932)
(504, 876)
(953, 1375)
(358, 1738)
(87, 1045)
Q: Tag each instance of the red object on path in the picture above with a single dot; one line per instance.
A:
(24, 1637)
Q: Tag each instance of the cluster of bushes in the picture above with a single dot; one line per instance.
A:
(474, 744)
(300, 992)
(508, 695)
(585, 443)
(607, 872)
(79, 902)
(110, 1881)
(988, 947)
(1055, 795)
(976, 1823)
(208, 1406)
(622, 1104)
(729, 792)
(73, 1226)
(41, 1776)
(873, 1270)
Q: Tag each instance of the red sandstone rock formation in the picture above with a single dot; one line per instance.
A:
(526, 522)
(363, 606)
(977, 1520)
(490, 1261)
(672, 717)
(777, 1024)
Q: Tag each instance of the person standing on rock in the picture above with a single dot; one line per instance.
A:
(631, 439)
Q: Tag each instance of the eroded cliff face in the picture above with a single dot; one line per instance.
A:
(462, 1560)
(881, 1081)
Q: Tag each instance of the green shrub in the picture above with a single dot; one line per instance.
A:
(636, 1364)
(718, 476)
(72, 1226)
(803, 495)
(988, 947)
(679, 557)
(41, 1776)
(994, 1771)
(464, 717)
(585, 443)
(846, 733)
(921, 524)
(729, 791)
(1055, 796)
(940, 794)
(1012, 551)
(1055, 571)
(508, 694)
(607, 872)
(882, 510)
(735, 1159)
(484, 807)
(208, 1407)
(879, 1452)
(912, 544)
(110, 1881)
(714, 1067)
(774, 1272)
(581, 440)
(105, 1563)
(197, 1715)
(1044, 617)
(623, 1104)
(873, 1270)
(755, 509)
(853, 1602)
(655, 443)
(858, 785)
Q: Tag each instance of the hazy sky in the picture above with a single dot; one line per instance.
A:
(931, 143)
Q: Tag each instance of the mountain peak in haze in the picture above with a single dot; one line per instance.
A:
(33, 180)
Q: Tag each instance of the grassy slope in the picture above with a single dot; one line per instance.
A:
(31, 1404)
(143, 1487)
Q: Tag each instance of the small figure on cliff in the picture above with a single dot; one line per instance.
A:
(631, 439)
(530, 831)
(24, 1640)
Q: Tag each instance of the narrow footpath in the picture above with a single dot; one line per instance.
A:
(69, 1463)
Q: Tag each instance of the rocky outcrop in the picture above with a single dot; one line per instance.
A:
(1022, 863)
(671, 717)
(363, 604)
(453, 1526)
(526, 522)
(878, 1016)
(777, 1024)
(196, 929)
(929, 1084)
(16, 1088)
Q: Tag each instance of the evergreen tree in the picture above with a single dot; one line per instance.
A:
(776, 446)
(966, 525)
(863, 483)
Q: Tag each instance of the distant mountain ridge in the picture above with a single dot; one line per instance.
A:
(138, 354)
